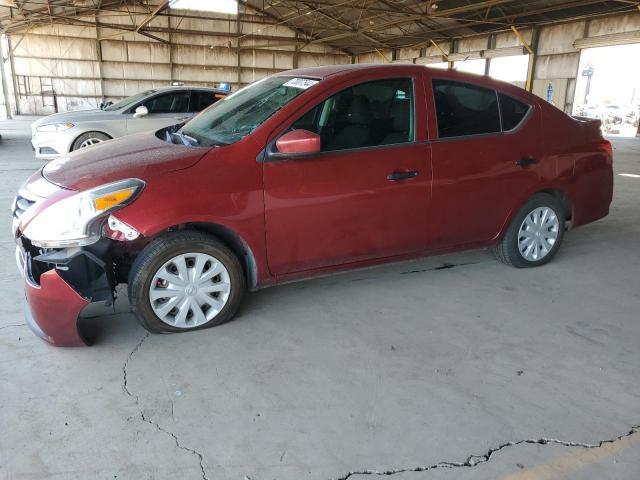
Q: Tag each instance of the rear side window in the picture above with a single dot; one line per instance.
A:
(513, 111)
(464, 109)
(201, 99)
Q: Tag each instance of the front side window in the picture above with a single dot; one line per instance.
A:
(128, 101)
(465, 109)
(365, 115)
(513, 111)
(174, 102)
(236, 116)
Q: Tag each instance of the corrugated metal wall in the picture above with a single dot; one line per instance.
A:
(70, 61)
(557, 58)
(65, 67)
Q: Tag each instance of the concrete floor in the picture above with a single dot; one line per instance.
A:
(477, 371)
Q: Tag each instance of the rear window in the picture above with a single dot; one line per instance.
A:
(465, 109)
(513, 111)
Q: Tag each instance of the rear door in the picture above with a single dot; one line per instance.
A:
(366, 193)
(483, 161)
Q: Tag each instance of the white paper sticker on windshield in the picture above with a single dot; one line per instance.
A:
(302, 83)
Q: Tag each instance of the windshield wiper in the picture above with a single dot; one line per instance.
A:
(188, 137)
(183, 138)
(201, 139)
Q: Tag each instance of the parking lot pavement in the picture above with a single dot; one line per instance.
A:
(476, 370)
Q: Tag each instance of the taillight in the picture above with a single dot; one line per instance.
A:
(605, 146)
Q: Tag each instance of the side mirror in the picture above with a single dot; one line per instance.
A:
(298, 142)
(141, 111)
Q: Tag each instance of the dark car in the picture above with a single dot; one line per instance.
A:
(300, 174)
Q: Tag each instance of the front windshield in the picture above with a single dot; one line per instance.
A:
(236, 116)
(128, 101)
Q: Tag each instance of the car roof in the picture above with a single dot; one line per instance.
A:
(188, 87)
(329, 70)
(324, 72)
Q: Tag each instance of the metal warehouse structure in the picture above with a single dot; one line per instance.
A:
(70, 54)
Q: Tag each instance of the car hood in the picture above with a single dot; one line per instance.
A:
(142, 156)
(79, 116)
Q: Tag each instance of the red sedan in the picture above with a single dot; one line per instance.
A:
(302, 173)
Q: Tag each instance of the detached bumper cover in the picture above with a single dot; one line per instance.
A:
(52, 309)
(59, 284)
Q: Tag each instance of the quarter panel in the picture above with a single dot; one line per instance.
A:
(592, 187)
(583, 171)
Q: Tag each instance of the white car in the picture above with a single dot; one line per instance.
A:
(61, 133)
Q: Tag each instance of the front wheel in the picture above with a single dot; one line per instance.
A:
(88, 139)
(535, 234)
(185, 281)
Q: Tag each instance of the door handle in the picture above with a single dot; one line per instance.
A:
(523, 162)
(398, 175)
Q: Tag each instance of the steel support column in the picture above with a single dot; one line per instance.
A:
(491, 43)
(533, 51)
(452, 49)
(3, 79)
(16, 93)
(99, 59)
(238, 51)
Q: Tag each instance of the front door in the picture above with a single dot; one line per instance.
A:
(365, 195)
(484, 160)
(165, 109)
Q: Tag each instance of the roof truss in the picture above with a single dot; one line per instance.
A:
(352, 26)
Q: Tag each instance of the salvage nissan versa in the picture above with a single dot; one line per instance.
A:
(303, 173)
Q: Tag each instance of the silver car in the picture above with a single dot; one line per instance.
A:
(61, 133)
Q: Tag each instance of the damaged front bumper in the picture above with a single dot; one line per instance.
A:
(59, 284)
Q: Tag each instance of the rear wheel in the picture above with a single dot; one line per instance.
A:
(185, 281)
(535, 234)
(88, 139)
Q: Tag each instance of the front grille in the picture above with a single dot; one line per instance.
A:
(20, 205)
(23, 201)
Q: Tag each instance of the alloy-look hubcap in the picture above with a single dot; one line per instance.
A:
(90, 141)
(189, 290)
(538, 233)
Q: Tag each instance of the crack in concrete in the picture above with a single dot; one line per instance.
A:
(474, 460)
(144, 418)
(13, 325)
(444, 266)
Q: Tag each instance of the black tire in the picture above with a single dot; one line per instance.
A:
(86, 136)
(507, 250)
(166, 247)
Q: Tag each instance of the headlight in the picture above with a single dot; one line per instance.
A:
(55, 127)
(76, 220)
